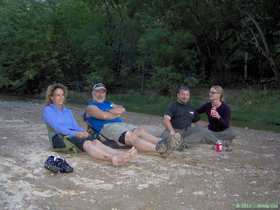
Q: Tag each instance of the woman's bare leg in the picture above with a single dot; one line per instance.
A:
(110, 150)
(131, 152)
(97, 150)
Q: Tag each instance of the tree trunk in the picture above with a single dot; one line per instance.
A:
(246, 66)
(142, 69)
(266, 51)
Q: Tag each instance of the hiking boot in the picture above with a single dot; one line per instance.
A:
(63, 166)
(57, 164)
(175, 141)
(227, 145)
(50, 164)
(182, 146)
(228, 148)
(163, 147)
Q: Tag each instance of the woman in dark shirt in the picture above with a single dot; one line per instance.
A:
(218, 113)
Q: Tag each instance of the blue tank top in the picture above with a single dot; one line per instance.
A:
(98, 124)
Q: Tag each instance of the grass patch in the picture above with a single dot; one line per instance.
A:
(256, 109)
(140, 103)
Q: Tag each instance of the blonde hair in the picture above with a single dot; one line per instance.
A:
(220, 90)
(51, 89)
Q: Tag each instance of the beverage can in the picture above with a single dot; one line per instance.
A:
(219, 146)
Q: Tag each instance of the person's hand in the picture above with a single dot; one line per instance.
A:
(85, 134)
(215, 114)
(117, 110)
(82, 134)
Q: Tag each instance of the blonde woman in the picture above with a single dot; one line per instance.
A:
(218, 113)
(62, 121)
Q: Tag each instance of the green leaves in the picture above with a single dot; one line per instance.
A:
(131, 44)
(171, 55)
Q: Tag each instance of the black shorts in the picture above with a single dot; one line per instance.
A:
(59, 143)
(122, 137)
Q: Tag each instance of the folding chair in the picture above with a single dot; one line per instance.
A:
(69, 147)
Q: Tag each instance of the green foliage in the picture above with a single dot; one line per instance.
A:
(171, 56)
(256, 109)
(165, 79)
(77, 42)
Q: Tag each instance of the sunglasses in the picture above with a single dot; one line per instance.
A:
(98, 85)
(213, 92)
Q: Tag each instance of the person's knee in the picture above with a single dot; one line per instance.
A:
(229, 135)
(86, 145)
(138, 131)
(209, 138)
(232, 135)
(89, 144)
(130, 137)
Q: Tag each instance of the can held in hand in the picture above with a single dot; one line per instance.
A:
(219, 146)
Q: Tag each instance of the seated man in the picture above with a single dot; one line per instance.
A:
(61, 120)
(179, 116)
(105, 117)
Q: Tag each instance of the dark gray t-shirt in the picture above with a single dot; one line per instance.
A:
(182, 115)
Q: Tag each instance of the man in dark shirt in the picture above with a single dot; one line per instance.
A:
(180, 115)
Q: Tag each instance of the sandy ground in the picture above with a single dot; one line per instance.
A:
(198, 178)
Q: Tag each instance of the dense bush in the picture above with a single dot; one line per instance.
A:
(137, 44)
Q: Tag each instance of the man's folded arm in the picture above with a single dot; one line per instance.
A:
(117, 109)
(99, 114)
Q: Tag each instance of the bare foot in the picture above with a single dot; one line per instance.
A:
(132, 153)
(119, 160)
(124, 157)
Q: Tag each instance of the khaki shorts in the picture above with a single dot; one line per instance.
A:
(113, 131)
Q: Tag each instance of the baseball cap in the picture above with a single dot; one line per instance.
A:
(99, 86)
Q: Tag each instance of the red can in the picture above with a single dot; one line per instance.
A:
(219, 146)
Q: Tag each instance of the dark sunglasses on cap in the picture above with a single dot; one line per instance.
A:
(99, 86)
